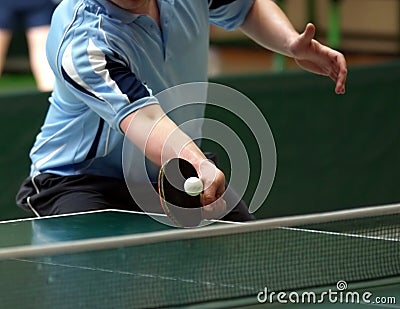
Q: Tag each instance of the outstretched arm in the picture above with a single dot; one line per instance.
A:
(161, 139)
(268, 25)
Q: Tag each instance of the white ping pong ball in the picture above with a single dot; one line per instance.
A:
(193, 186)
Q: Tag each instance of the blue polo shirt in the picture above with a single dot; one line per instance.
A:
(108, 63)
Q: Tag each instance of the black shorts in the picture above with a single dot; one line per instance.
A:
(49, 194)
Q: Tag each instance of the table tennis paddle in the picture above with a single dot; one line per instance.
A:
(174, 200)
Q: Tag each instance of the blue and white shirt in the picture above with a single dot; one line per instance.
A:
(108, 63)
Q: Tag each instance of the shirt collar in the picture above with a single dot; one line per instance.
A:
(116, 12)
(123, 15)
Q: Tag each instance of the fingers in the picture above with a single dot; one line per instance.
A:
(341, 75)
(214, 207)
(213, 180)
(337, 69)
(330, 63)
(338, 73)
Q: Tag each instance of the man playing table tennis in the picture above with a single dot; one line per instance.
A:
(110, 58)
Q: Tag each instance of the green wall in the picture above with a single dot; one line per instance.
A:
(333, 152)
(22, 113)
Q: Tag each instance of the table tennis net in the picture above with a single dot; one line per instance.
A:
(220, 263)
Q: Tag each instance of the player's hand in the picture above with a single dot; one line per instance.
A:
(312, 56)
(214, 206)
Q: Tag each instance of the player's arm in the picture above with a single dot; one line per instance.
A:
(161, 139)
(268, 25)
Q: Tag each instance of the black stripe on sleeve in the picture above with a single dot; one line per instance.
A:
(126, 80)
(75, 84)
(215, 4)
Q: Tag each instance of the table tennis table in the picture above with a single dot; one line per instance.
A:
(120, 259)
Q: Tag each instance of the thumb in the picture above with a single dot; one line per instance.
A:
(309, 32)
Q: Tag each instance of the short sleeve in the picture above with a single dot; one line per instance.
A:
(100, 77)
(229, 14)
